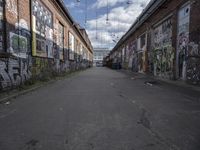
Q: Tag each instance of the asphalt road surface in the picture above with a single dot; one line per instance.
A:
(102, 109)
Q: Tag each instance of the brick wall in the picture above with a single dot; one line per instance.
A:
(34, 44)
(172, 49)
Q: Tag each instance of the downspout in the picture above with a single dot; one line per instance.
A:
(31, 27)
(18, 31)
(4, 27)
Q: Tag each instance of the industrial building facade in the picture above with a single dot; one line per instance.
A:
(99, 54)
(163, 41)
(37, 38)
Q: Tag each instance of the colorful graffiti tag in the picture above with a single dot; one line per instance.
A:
(193, 63)
(141, 53)
(183, 40)
(42, 30)
(19, 40)
(18, 45)
(130, 53)
(193, 50)
(163, 62)
(193, 70)
(163, 53)
(133, 62)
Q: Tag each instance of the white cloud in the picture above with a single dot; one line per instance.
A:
(120, 20)
(71, 5)
(80, 11)
(103, 3)
(111, 3)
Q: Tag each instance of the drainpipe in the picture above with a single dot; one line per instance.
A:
(18, 31)
(31, 27)
(4, 27)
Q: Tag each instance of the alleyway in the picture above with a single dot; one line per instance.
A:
(102, 109)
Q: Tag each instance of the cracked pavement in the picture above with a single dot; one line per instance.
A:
(102, 109)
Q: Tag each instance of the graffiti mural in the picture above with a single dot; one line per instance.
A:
(141, 53)
(16, 69)
(162, 34)
(33, 42)
(42, 25)
(163, 62)
(183, 40)
(18, 45)
(193, 70)
(19, 40)
(126, 56)
(132, 54)
(13, 72)
(193, 63)
(42, 66)
(1, 25)
(163, 53)
(193, 50)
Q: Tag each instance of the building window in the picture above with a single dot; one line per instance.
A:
(143, 40)
(61, 37)
(71, 46)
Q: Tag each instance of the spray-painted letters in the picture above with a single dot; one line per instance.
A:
(163, 53)
(13, 72)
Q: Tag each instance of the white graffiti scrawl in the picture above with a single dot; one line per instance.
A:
(4, 77)
(13, 73)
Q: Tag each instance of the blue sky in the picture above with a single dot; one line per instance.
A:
(121, 16)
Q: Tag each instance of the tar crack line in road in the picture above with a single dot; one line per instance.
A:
(144, 121)
(31, 145)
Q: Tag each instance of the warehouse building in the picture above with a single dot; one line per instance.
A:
(39, 38)
(163, 41)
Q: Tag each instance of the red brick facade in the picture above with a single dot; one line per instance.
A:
(35, 42)
(170, 47)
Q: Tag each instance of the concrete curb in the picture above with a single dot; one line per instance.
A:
(4, 99)
(23, 92)
(175, 82)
